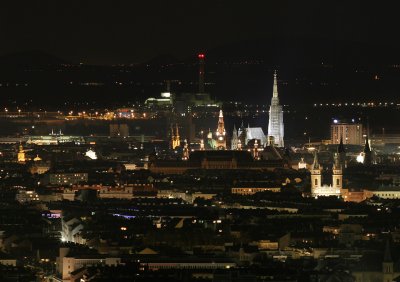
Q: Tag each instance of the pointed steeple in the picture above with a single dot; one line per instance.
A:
(367, 152)
(177, 131)
(367, 149)
(275, 88)
(220, 133)
(275, 123)
(315, 164)
(234, 133)
(340, 148)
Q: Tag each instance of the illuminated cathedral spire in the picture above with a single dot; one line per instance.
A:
(221, 133)
(275, 124)
(235, 139)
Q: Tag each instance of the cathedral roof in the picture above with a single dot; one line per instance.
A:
(253, 133)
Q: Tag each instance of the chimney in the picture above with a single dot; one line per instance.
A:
(201, 57)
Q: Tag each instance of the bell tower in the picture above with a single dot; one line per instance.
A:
(316, 177)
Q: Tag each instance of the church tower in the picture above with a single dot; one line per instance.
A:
(239, 145)
(316, 177)
(337, 175)
(235, 139)
(342, 154)
(21, 154)
(255, 150)
(367, 153)
(275, 123)
(175, 138)
(221, 133)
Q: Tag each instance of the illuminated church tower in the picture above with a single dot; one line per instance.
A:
(21, 154)
(316, 177)
(175, 138)
(317, 189)
(221, 133)
(275, 124)
(235, 139)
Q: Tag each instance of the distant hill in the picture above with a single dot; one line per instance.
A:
(309, 71)
(30, 58)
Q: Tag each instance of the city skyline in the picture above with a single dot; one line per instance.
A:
(213, 141)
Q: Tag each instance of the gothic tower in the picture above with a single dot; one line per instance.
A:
(367, 153)
(175, 138)
(235, 139)
(221, 133)
(316, 177)
(275, 123)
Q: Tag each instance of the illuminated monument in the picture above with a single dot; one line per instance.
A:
(21, 154)
(275, 124)
(175, 138)
(317, 189)
(221, 133)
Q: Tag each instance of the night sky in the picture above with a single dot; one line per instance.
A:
(111, 32)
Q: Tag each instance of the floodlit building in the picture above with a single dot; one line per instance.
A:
(21, 154)
(26, 196)
(275, 124)
(317, 188)
(175, 138)
(67, 178)
(349, 133)
(250, 133)
(221, 133)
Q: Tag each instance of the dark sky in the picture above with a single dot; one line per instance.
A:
(107, 32)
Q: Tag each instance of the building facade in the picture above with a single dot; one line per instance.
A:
(317, 188)
(68, 178)
(349, 133)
